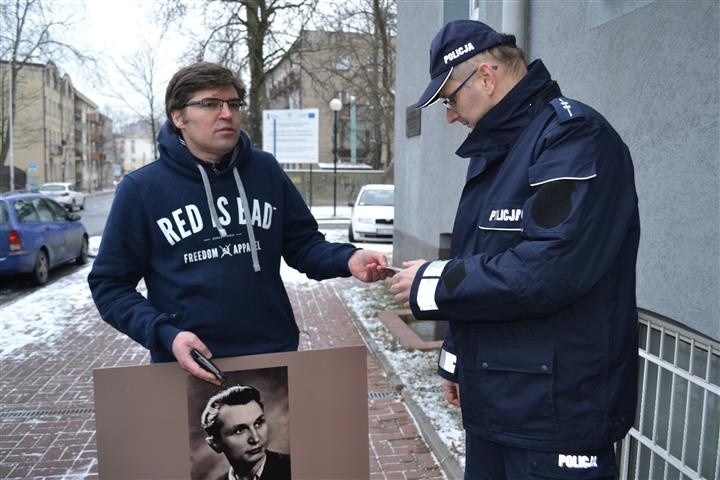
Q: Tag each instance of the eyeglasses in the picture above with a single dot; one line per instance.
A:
(449, 101)
(216, 104)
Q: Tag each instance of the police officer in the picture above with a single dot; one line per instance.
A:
(541, 353)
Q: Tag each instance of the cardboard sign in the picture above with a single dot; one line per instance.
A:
(314, 402)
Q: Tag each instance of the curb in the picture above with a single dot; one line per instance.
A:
(445, 459)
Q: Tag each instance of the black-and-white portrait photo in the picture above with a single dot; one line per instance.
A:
(240, 431)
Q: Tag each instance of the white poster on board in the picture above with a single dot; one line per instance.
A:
(292, 135)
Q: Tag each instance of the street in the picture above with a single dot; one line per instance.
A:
(97, 207)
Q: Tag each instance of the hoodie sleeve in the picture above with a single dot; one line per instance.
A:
(581, 215)
(121, 262)
(304, 246)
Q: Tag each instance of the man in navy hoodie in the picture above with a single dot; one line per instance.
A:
(541, 351)
(206, 226)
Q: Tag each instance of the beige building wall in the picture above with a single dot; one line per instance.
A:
(49, 131)
(137, 151)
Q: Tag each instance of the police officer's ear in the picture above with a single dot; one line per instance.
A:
(487, 76)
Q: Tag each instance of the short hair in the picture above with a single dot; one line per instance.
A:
(512, 57)
(235, 395)
(198, 76)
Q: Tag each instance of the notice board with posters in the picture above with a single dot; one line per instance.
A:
(148, 418)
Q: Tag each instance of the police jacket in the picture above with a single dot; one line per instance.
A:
(540, 288)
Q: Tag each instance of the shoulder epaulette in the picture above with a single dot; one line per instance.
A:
(566, 109)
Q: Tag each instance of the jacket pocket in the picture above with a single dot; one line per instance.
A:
(511, 387)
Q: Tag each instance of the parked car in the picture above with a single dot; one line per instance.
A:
(373, 214)
(37, 234)
(64, 193)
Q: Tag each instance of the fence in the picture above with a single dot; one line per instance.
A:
(316, 185)
(677, 429)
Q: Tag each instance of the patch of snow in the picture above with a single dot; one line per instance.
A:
(94, 245)
(43, 315)
(417, 370)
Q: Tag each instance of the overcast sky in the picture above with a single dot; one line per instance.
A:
(109, 31)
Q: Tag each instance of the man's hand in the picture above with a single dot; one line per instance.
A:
(367, 265)
(403, 280)
(181, 346)
(451, 390)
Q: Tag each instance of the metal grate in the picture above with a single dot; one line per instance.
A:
(676, 435)
(379, 395)
(47, 413)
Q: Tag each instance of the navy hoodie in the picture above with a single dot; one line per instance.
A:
(210, 268)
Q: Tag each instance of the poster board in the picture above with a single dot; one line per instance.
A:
(143, 414)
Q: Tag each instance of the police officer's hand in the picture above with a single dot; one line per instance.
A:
(181, 346)
(451, 390)
(403, 280)
(366, 265)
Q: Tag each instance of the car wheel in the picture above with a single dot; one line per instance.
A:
(82, 205)
(41, 272)
(351, 235)
(82, 258)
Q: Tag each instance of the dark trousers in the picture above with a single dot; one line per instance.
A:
(485, 460)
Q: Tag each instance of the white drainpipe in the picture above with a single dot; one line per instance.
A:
(514, 20)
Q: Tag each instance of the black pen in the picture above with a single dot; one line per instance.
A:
(209, 366)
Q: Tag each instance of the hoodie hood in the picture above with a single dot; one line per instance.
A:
(175, 154)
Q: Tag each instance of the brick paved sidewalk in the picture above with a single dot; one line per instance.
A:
(47, 427)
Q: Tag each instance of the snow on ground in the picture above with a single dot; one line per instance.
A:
(416, 369)
(43, 315)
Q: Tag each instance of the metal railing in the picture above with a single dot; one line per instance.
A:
(676, 435)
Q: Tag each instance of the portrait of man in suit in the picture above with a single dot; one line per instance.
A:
(240, 431)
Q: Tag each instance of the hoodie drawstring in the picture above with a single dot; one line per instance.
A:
(245, 206)
(248, 220)
(211, 204)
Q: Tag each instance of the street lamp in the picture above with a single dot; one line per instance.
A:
(335, 106)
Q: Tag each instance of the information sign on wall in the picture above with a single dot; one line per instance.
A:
(292, 135)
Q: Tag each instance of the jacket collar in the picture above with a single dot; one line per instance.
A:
(495, 134)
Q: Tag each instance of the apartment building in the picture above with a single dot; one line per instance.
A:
(57, 133)
(136, 147)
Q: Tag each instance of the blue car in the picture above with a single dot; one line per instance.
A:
(37, 234)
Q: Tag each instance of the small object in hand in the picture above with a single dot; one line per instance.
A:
(391, 270)
(209, 366)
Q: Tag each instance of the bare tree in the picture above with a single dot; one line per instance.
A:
(364, 35)
(250, 36)
(27, 35)
(140, 73)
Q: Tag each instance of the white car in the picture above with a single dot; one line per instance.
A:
(373, 214)
(65, 194)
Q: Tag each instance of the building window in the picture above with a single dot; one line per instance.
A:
(342, 63)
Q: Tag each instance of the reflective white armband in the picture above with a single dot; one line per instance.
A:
(428, 285)
(447, 361)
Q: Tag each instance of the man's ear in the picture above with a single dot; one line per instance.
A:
(214, 444)
(487, 78)
(178, 119)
